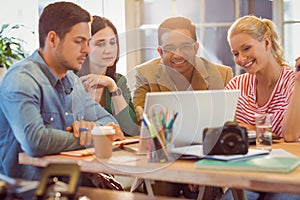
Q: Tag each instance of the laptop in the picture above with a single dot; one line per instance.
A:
(197, 110)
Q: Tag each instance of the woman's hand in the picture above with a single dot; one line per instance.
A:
(94, 81)
(139, 113)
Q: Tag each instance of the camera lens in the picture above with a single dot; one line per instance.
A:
(231, 143)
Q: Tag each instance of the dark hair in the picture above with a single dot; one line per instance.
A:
(98, 24)
(174, 23)
(60, 17)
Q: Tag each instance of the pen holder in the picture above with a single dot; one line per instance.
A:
(169, 138)
(158, 150)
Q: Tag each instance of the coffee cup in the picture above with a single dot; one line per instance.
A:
(103, 138)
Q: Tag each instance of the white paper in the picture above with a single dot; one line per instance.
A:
(197, 151)
(122, 159)
(251, 153)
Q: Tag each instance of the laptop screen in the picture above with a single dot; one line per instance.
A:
(197, 110)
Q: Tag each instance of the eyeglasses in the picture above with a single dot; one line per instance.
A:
(186, 47)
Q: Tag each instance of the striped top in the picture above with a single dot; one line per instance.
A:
(276, 105)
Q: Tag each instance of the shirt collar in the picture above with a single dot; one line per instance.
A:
(53, 79)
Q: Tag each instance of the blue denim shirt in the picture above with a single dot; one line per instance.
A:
(35, 109)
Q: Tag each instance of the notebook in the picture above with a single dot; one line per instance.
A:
(197, 110)
(196, 152)
(90, 151)
(261, 164)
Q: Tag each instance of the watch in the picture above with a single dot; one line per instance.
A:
(118, 92)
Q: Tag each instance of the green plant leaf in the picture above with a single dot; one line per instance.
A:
(11, 48)
(3, 27)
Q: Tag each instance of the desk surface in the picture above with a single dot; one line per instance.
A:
(94, 193)
(182, 171)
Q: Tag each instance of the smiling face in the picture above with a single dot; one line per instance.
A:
(178, 50)
(104, 48)
(249, 53)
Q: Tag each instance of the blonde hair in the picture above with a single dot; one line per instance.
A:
(259, 29)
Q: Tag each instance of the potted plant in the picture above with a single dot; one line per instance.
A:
(10, 47)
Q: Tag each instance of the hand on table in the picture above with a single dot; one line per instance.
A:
(85, 137)
(119, 135)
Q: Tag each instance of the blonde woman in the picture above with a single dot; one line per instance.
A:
(268, 84)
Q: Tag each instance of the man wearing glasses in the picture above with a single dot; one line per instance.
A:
(178, 69)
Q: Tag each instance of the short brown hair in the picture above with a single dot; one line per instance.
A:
(174, 23)
(60, 17)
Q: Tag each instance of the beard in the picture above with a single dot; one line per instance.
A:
(64, 59)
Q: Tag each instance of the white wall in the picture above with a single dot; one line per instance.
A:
(19, 12)
(25, 12)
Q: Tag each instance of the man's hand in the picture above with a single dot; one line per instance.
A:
(119, 135)
(85, 137)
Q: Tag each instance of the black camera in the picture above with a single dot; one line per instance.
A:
(230, 139)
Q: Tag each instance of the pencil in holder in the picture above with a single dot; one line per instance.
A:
(158, 151)
(169, 138)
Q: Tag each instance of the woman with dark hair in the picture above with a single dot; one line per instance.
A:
(99, 77)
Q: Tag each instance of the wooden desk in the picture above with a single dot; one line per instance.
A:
(182, 171)
(93, 193)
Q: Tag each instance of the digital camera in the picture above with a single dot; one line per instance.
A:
(230, 139)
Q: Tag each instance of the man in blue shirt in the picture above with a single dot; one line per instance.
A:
(42, 102)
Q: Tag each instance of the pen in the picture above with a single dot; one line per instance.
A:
(157, 144)
(161, 134)
(7, 179)
(148, 125)
(297, 64)
(170, 125)
(154, 121)
(159, 118)
(166, 115)
(122, 144)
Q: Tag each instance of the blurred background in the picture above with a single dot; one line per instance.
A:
(137, 22)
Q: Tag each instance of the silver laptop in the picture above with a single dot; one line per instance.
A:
(197, 110)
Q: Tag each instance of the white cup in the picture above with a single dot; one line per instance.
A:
(103, 138)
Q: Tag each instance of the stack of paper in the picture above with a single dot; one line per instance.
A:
(196, 151)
